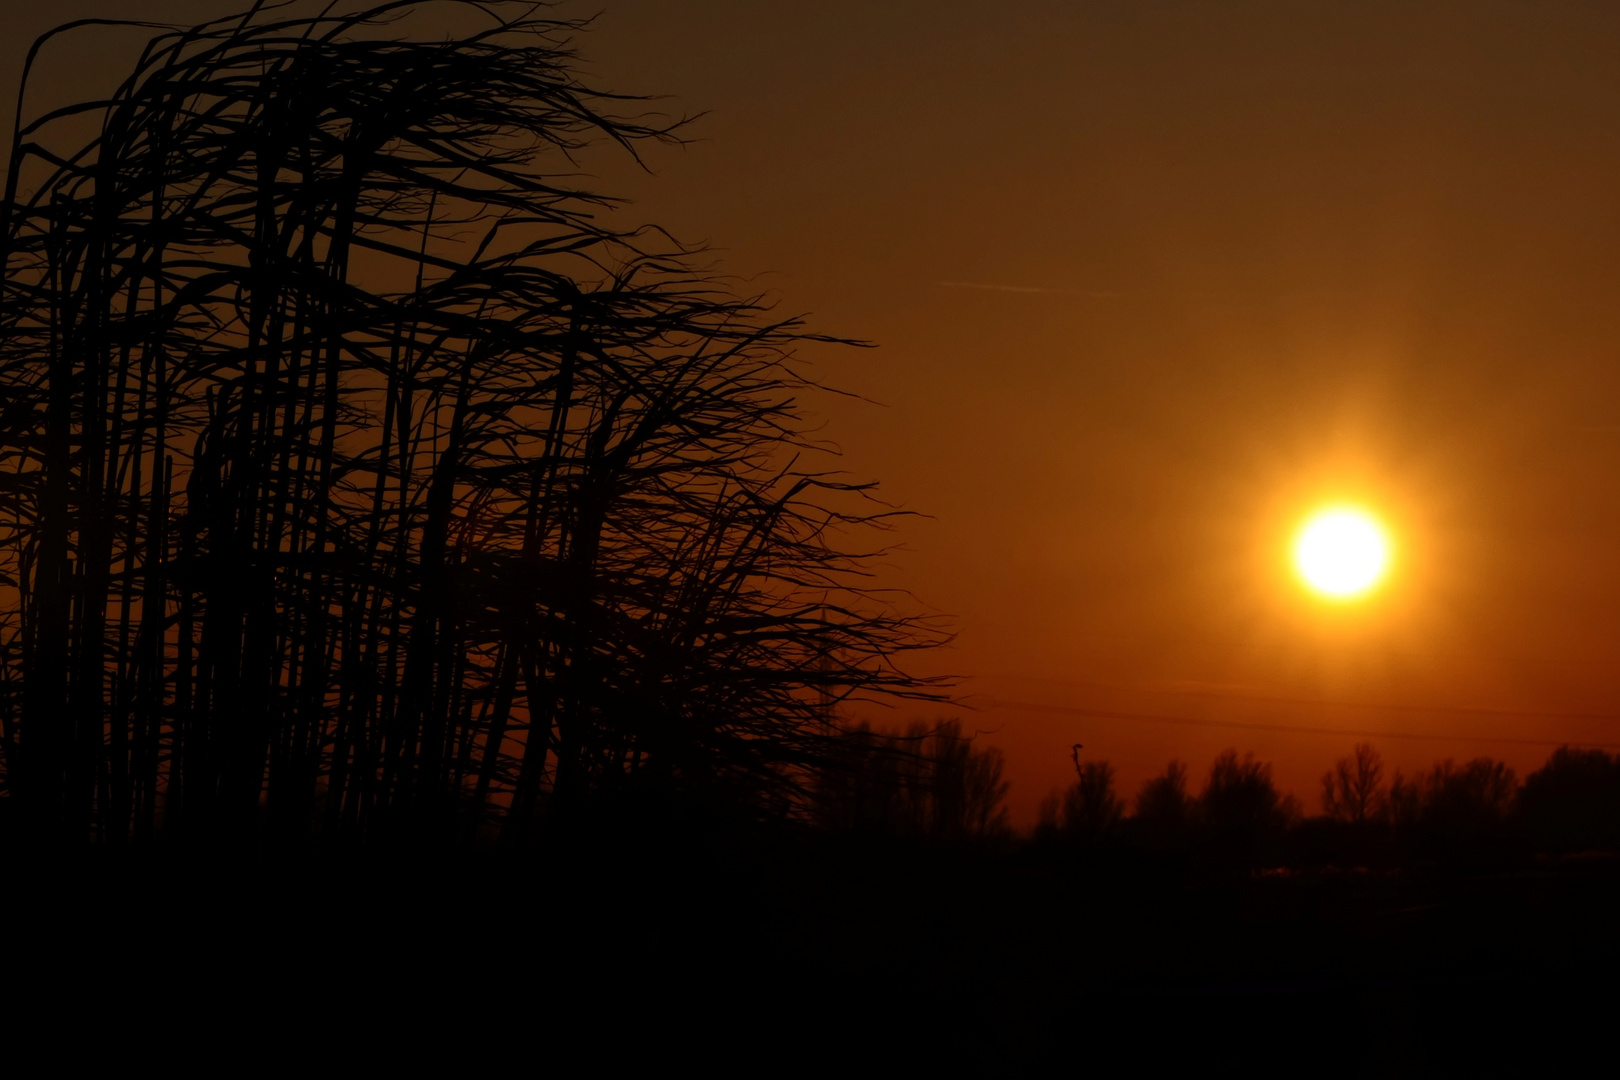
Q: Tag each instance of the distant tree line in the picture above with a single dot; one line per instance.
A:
(1238, 794)
(933, 783)
(1571, 803)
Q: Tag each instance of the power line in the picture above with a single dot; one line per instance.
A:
(1228, 695)
(1106, 714)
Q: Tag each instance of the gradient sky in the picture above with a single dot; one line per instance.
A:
(1149, 281)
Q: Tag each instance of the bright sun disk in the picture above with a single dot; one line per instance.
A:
(1341, 553)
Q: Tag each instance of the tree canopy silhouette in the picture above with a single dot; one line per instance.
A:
(358, 472)
(1573, 801)
(1164, 801)
(1087, 809)
(1240, 796)
(1353, 789)
(1455, 800)
(929, 783)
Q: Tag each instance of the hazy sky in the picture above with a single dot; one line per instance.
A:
(1149, 281)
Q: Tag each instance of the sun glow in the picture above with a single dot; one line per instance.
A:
(1341, 553)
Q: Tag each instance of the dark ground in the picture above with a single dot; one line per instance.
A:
(817, 953)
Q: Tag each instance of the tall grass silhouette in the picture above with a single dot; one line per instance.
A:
(359, 476)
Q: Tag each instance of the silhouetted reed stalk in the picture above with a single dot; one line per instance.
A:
(358, 476)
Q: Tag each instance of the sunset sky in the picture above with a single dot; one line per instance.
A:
(1150, 281)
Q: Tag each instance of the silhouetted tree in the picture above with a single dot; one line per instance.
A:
(1404, 803)
(967, 786)
(1573, 801)
(1090, 805)
(1164, 800)
(360, 476)
(1478, 794)
(1353, 789)
(1240, 796)
(928, 783)
(872, 785)
(1451, 809)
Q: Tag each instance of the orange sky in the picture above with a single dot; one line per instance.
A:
(1152, 279)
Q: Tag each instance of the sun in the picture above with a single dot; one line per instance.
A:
(1341, 553)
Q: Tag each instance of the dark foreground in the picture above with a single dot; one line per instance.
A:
(814, 953)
